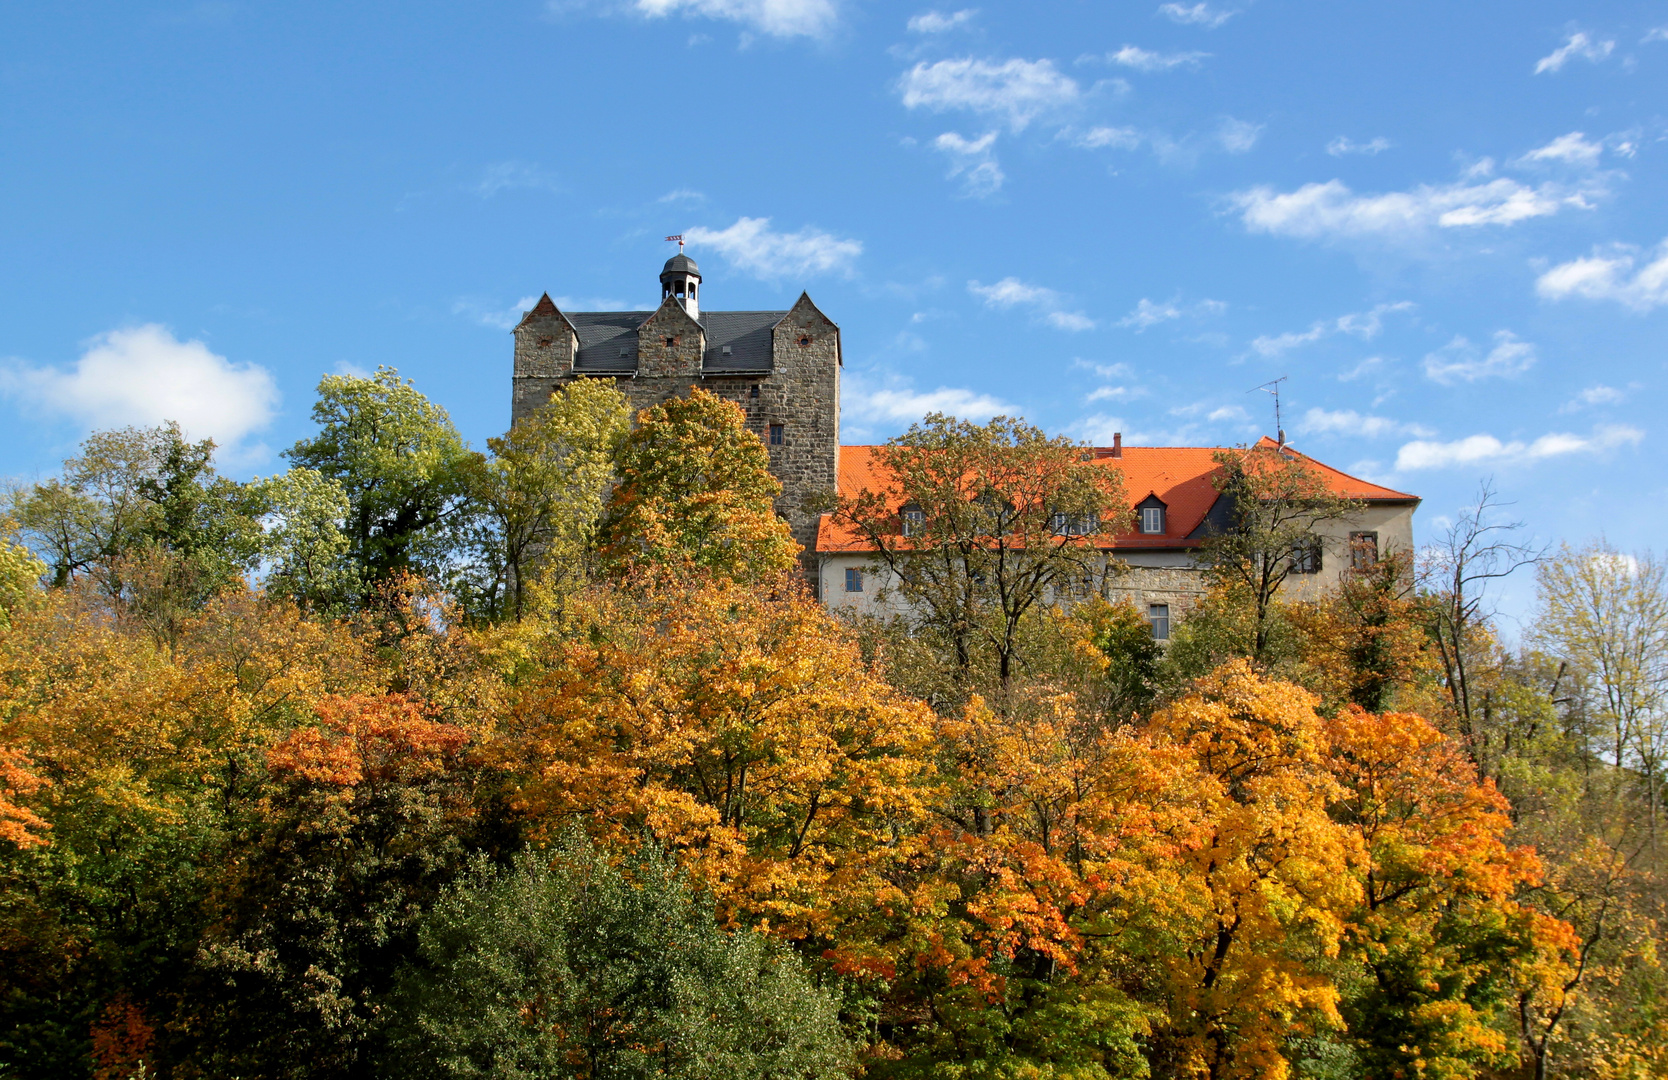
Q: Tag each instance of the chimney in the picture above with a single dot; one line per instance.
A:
(1117, 444)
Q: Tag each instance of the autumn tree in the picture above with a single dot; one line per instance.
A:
(572, 962)
(139, 493)
(743, 730)
(363, 820)
(977, 526)
(695, 491)
(1277, 503)
(1476, 551)
(400, 463)
(1439, 930)
(1605, 614)
(539, 497)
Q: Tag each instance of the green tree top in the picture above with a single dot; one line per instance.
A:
(400, 463)
(695, 490)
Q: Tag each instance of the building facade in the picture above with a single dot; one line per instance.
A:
(783, 369)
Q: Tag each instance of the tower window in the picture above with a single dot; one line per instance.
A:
(854, 579)
(776, 435)
(755, 391)
(1158, 617)
(671, 341)
(805, 340)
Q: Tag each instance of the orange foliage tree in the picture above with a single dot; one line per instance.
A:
(746, 732)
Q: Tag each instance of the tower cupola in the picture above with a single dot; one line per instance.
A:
(681, 280)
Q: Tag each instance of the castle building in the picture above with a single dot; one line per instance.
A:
(783, 369)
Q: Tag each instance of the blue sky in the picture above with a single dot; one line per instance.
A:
(1443, 223)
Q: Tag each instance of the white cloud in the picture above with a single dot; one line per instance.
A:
(512, 176)
(1228, 413)
(1238, 136)
(1344, 145)
(1461, 361)
(936, 22)
(1350, 422)
(1332, 211)
(144, 375)
(1148, 314)
(1365, 325)
(1362, 369)
(777, 18)
(750, 245)
(1594, 396)
(1197, 14)
(1105, 371)
(1112, 393)
(897, 403)
(1611, 276)
(498, 318)
(1486, 450)
(1132, 56)
(1012, 292)
(1017, 90)
(1659, 33)
(682, 195)
(1571, 149)
(973, 161)
(1578, 45)
(1121, 138)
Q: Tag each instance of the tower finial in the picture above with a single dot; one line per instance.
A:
(679, 239)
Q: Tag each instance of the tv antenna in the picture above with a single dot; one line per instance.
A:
(679, 239)
(1272, 387)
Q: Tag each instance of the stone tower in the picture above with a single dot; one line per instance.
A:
(781, 367)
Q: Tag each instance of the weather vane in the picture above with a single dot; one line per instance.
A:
(1273, 387)
(679, 239)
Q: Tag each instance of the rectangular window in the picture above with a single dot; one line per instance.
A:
(1363, 550)
(1152, 519)
(854, 580)
(776, 434)
(913, 521)
(1064, 524)
(1306, 557)
(1159, 616)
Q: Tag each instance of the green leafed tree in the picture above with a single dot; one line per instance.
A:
(306, 542)
(401, 464)
(539, 498)
(569, 964)
(144, 495)
(695, 491)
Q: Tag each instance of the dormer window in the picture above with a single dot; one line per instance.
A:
(1152, 516)
(913, 520)
(725, 351)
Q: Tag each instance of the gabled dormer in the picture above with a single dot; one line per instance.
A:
(1152, 516)
(670, 342)
(545, 342)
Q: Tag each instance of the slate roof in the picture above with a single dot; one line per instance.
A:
(608, 340)
(1179, 475)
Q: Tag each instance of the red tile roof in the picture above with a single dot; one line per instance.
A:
(1179, 475)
